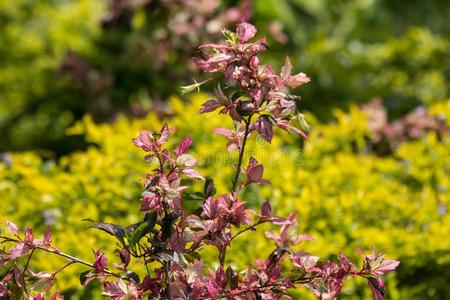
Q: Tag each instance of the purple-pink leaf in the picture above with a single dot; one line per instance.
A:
(286, 69)
(12, 227)
(38, 297)
(259, 46)
(125, 258)
(100, 261)
(266, 209)
(192, 173)
(165, 134)
(221, 277)
(376, 265)
(176, 242)
(283, 124)
(144, 140)
(56, 296)
(47, 236)
(164, 182)
(44, 281)
(387, 265)
(209, 106)
(297, 80)
(232, 146)
(18, 250)
(239, 213)
(186, 160)
(29, 238)
(216, 62)
(114, 290)
(212, 291)
(150, 201)
(184, 145)
(278, 221)
(264, 127)
(224, 132)
(257, 96)
(377, 288)
(211, 208)
(254, 62)
(292, 81)
(148, 158)
(245, 31)
(254, 171)
(304, 260)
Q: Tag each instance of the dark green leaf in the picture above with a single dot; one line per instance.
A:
(152, 182)
(84, 276)
(134, 237)
(133, 276)
(112, 229)
(193, 256)
(209, 189)
(167, 224)
(151, 219)
(232, 278)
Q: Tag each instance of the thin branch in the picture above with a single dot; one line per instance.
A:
(62, 254)
(252, 227)
(25, 269)
(241, 154)
(67, 256)
(222, 255)
(28, 261)
(143, 250)
(304, 279)
(166, 272)
(223, 252)
(77, 260)
(62, 268)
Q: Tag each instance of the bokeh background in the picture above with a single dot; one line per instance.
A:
(79, 78)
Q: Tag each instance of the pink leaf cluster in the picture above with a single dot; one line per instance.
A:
(254, 88)
(412, 126)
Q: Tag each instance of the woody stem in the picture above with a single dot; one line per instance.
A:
(241, 154)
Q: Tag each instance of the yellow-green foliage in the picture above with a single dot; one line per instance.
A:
(345, 196)
(35, 36)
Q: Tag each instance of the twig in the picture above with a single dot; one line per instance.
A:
(62, 268)
(252, 227)
(222, 255)
(28, 261)
(166, 272)
(80, 261)
(25, 269)
(241, 154)
(145, 258)
(223, 252)
(59, 253)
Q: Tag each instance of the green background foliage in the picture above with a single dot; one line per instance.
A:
(61, 165)
(60, 61)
